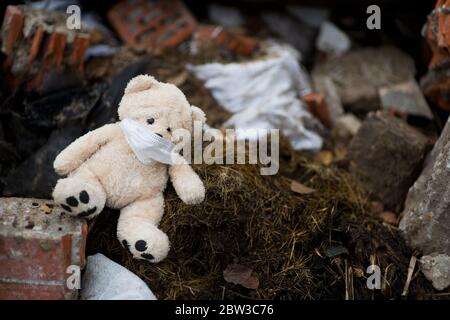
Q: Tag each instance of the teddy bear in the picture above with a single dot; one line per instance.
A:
(102, 169)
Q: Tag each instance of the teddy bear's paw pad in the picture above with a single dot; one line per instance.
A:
(153, 249)
(148, 256)
(141, 246)
(79, 205)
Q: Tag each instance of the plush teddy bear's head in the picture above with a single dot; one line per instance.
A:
(160, 106)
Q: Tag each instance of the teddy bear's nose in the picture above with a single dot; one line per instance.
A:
(159, 134)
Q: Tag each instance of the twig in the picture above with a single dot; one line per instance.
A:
(412, 265)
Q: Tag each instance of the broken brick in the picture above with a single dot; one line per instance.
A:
(12, 28)
(36, 41)
(37, 245)
(239, 44)
(36, 44)
(152, 25)
(80, 45)
(436, 84)
(318, 107)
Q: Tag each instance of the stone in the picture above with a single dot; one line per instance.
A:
(407, 98)
(332, 40)
(345, 127)
(436, 268)
(387, 155)
(38, 244)
(426, 218)
(359, 73)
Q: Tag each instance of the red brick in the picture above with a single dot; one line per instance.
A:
(37, 245)
(318, 107)
(12, 27)
(152, 25)
(435, 83)
(48, 47)
(15, 291)
(36, 44)
(238, 44)
(80, 45)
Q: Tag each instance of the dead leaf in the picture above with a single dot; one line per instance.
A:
(301, 188)
(325, 157)
(239, 274)
(389, 217)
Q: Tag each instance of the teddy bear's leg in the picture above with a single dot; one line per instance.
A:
(80, 195)
(137, 229)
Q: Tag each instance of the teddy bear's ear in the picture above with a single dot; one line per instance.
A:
(198, 115)
(140, 83)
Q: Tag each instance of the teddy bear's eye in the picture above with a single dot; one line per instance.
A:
(150, 120)
(168, 129)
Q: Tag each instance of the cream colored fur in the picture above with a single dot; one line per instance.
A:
(102, 165)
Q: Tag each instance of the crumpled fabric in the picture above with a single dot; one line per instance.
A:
(147, 145)
(104, 279)
(265, 94)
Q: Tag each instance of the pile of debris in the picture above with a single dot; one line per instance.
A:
(364, 157)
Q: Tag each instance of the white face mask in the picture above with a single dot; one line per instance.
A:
(147, 145)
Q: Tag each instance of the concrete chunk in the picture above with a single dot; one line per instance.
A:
(37, 245)
(387, 155)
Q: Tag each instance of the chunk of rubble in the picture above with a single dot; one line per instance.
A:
(436, 268)
(436, 83)
(407, 98)
(331, 40)
(238, 44)
(360, 73)
(40, 49)
(426, 218)
(345, 127)
(327, 88)
(387, 155)
(42, 250)
(152, 25)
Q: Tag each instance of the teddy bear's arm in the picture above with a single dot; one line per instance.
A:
(186, 182)
(83, 148)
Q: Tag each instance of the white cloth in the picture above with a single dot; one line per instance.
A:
(147, 145)
(264, 94)
(104, 279)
